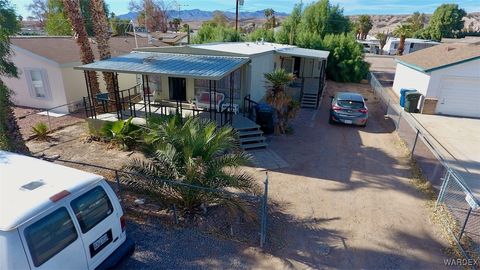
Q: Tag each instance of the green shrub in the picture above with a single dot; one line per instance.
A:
(40, 131)
(121, 132)
(193, 152)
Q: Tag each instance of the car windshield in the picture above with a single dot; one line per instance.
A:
(350, 104)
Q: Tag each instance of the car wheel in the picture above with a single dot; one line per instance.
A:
(330, 121)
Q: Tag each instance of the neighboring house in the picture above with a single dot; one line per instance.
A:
(172, 38)
(411, 45)
(307, 65)
(46, 76)
(447, 75)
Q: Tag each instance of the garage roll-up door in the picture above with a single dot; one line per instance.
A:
(460, 97)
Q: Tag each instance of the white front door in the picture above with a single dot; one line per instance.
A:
(459, 97)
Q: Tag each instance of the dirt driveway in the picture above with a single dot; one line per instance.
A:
(347, 197)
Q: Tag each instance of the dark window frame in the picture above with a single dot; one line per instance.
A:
(83, 226)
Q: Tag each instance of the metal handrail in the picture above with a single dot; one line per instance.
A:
(247, 100)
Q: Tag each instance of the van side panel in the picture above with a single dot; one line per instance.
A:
(12, 255)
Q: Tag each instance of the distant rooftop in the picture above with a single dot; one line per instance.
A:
(63, 49)
(415, 40)
(441, 56)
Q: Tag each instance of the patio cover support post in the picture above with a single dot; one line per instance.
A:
(148, 97)
(144, 94)
(215, 98)
(230, 112)
(91, 99)
(210, 98)
(118, 104)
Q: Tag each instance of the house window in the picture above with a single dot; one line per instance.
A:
(38, 83)
(223, 85)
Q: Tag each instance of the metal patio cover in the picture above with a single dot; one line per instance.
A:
(206, 67)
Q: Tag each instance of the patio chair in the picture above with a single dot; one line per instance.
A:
(203, 100)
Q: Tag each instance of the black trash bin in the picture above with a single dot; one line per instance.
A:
(411, 102)
(264, 117)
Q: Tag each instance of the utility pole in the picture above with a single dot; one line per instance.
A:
(236, 17)
(239, 2)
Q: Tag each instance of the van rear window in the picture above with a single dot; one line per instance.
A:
(91, 208)
(50, 235)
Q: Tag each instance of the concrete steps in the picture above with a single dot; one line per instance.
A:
(309, 100)
(251, 137)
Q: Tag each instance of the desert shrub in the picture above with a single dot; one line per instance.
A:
(192, 152)
(40, 131)
(121, 132)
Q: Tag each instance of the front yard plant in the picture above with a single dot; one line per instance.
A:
(40, 131)
(121, 132)
(192, 152)
(285, 107)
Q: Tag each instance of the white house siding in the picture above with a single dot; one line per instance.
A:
(406, 77)
(467, 70)
(25, 60)
(260, 65)
(457, 89)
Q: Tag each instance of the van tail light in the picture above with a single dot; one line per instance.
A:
(57, 197)
(123, 223)
(336, 108)
(363, 110)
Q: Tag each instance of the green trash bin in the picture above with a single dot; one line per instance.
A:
(411, 102)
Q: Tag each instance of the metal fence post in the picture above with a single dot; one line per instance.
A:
(443, 188)
(117, 179)
(263, 223)
(414, 143)
(49, 121)
(399, 119)
(465, 224)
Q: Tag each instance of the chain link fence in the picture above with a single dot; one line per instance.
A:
(462, 219)
(121, 182)
(55, 118)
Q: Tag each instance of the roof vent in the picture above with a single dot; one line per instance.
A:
(33, 185)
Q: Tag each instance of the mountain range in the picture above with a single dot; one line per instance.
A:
(203, 15)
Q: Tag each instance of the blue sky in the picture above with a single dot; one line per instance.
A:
(350, 6)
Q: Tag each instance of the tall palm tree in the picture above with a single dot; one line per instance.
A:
(194, 152)
(285, 108)
(102, 36)
(270, 15)
(402, 31)
(72, 8)
(10, 136)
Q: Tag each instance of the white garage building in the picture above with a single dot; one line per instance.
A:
(447, 75)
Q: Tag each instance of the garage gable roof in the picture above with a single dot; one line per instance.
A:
(440, 56)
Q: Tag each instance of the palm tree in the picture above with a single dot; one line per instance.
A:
(176, 23)
(363, 25)
(102, 36)
(270, 15)
(417, 21)
(402, 31)
(195, 152)
(382, 38)
(285, 108)
(10, 136)
(72, 8)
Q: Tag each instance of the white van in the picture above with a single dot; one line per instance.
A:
(56, 217)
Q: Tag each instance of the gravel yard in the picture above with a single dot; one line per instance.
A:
(29, 117)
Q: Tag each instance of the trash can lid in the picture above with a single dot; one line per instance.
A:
(263, 107)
